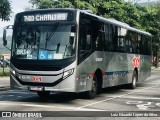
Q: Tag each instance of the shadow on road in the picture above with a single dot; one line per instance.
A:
(65, 98)
(4, 88)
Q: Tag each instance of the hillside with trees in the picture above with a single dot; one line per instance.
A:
(5, 9)
(4, 50)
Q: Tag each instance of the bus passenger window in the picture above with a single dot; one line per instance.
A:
(121, 39)
(98, 36)
(84, 39)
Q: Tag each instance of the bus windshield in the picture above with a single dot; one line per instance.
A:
(44, 42)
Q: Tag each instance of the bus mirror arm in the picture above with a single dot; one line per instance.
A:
(4, 42)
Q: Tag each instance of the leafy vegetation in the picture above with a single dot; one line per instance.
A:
(6, 71)
(5, 9)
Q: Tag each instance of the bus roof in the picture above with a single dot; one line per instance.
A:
(116, 22)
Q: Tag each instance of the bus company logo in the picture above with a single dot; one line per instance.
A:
(37, 79)
(6, 114)
(136, 62)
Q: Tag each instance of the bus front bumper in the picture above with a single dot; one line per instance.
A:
(67, 85)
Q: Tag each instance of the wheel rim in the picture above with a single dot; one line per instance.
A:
(94, 87)
(134, 81)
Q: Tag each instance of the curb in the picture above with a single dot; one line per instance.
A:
(156, 69)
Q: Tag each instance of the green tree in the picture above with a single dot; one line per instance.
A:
(151, 23)
(41, 4)
(5, 9)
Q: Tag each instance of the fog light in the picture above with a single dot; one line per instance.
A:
(13, 72)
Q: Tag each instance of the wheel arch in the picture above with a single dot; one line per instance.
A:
(98, 74)
(136, 70)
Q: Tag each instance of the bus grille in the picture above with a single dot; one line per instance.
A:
(32, 67)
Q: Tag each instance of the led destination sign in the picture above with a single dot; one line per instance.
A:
(45, 17)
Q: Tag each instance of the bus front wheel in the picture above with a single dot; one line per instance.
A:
(93, 92)
(43, 94)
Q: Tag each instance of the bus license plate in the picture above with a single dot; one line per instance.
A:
(35, 88)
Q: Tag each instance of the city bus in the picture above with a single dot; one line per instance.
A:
(71, 50)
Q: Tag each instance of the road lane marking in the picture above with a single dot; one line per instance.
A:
(143, 98)
(143, 105)
(46, 106)
(118, 96)
(10, 95)
(146, 106)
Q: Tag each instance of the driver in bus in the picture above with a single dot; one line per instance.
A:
(69, 47)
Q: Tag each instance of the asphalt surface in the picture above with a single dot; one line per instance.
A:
(112, 103)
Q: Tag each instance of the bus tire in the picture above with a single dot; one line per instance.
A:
(93, 92)
(134, 80)
(43, 94)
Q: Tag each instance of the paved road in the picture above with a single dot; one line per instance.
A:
(145, 98)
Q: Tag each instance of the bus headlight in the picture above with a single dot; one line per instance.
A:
(13, 72)
(68, 73)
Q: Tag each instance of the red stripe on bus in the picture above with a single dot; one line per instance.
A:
(92, 74)
(103, 73)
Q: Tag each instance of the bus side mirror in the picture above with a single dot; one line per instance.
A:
(4, 37)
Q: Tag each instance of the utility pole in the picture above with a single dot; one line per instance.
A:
(3, 64)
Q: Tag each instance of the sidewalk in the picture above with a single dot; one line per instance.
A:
(155, 69)
(4, 78)
(4, 83)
